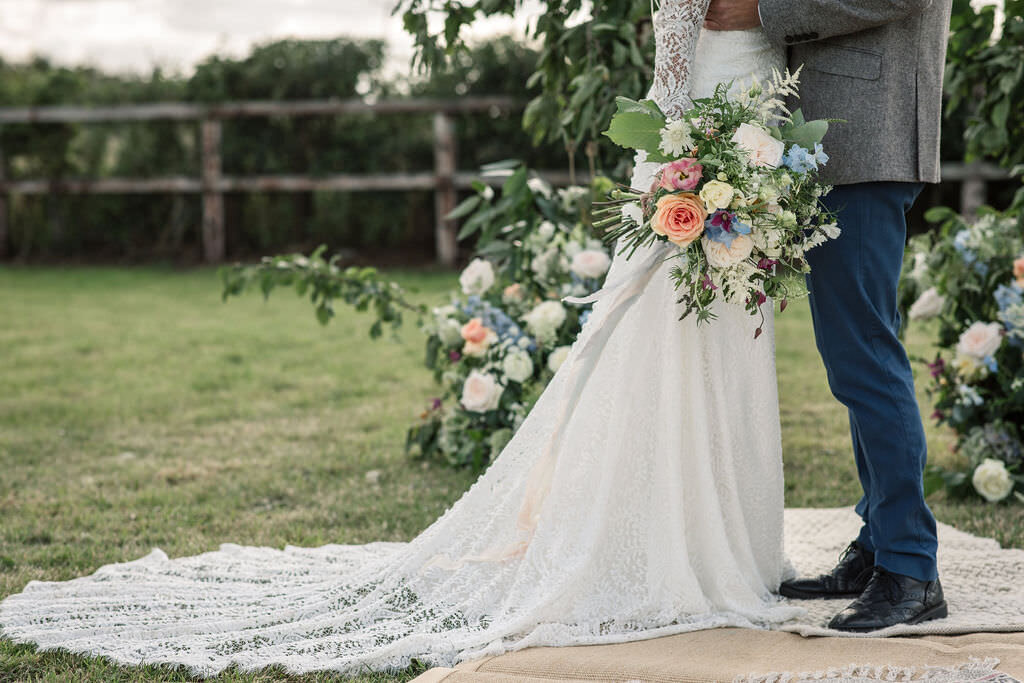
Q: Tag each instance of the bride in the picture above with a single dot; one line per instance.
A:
(641, 497)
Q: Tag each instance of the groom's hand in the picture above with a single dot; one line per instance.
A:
(732, 15)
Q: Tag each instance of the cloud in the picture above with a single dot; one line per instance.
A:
(135, 35)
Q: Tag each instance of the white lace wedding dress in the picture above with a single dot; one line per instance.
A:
(641, 497)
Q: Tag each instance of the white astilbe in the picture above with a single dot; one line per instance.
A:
(774, 93)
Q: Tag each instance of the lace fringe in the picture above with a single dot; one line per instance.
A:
(975, 669)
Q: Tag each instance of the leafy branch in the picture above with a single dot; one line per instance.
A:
(325, 282)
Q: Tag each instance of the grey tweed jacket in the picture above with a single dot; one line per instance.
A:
(878, 64)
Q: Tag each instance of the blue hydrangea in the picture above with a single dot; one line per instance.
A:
(1008, 296)
(504, 326)
(960, 243)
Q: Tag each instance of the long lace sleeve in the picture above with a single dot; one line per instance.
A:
(677, 25)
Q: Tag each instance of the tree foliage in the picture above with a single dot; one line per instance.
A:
(985, 79)
(588, 56)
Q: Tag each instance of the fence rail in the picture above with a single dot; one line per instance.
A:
(445, 180)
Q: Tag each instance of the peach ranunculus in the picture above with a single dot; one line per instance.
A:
(679, 217)
(1018, 270)
(478, 337)
(684, 174)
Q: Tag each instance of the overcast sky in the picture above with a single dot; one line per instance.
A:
(135, 35)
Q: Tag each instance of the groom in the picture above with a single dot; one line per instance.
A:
(878, 65)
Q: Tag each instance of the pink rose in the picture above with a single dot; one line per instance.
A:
(683, 174)
(680, 217)
(1018, 270)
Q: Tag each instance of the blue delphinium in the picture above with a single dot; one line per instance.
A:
(802, 160)
(723, 227)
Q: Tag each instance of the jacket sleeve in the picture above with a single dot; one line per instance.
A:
(800, 21)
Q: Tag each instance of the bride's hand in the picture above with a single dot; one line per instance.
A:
(732, 15)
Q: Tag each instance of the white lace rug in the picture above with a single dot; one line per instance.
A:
(983, 583)
(984, 586)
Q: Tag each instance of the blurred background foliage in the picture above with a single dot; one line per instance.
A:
(582, 60)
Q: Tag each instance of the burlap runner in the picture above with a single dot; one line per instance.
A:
(984, 586)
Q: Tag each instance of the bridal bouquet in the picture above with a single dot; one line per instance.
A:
(737, 194)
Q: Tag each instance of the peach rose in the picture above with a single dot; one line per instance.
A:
(478, 337)
(680, 217)
(1018, 270)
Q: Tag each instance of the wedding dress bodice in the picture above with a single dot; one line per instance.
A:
(690, 61)
(642, 496)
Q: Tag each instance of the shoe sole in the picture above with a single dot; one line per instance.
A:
(940, 611)
(796, 594)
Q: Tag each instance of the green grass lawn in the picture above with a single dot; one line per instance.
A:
(138, 411)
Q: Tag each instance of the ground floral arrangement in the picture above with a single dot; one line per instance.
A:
(968, 279)
(498, 340)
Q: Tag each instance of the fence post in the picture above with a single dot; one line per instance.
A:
(445, 196)
(213, 200)
(973, 194)
(3, 209)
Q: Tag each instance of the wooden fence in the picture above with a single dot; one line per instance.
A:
(445, 179)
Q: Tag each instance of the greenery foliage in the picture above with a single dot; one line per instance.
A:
(985, 79)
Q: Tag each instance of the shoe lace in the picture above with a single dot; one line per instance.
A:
(883, 578)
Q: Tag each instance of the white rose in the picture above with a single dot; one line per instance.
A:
(481, 392)
(761, 148)
(721, 256)
(546, 230)
(557, 357)
(478, 277)
(545, 319)
(716, 195)
(539, 186)
(992, 480)
(590, 263)
(928, 305)
(980, 340)
(449, 331)
(518, 366)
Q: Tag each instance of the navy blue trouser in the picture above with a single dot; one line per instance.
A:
(853, 284)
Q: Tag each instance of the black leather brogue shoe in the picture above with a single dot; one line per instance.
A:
(848, 579)
(891, 599)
